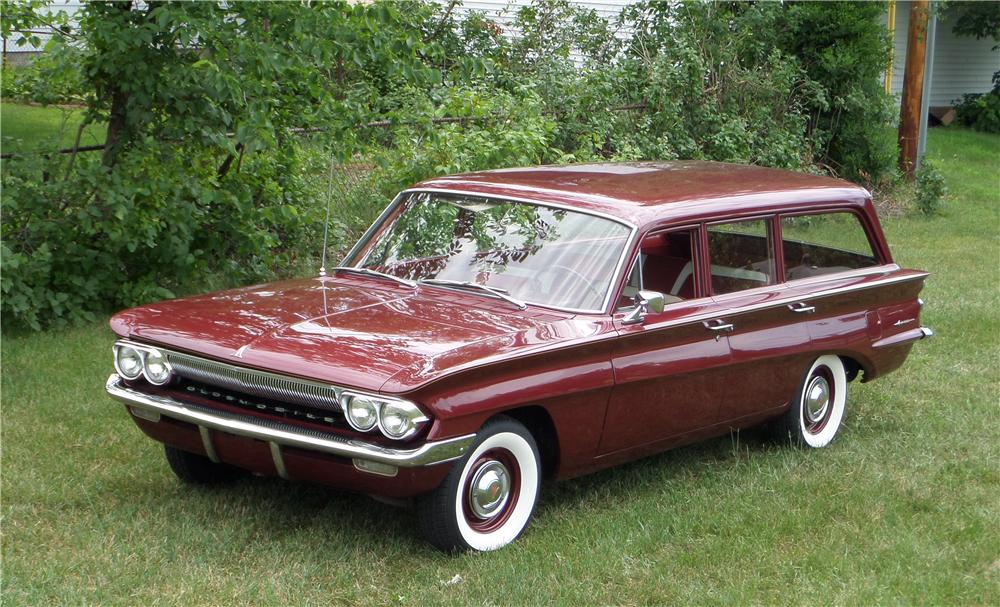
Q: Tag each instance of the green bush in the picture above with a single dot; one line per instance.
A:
(981, 111)
(98, 239)
(931, 188)
(503, 130)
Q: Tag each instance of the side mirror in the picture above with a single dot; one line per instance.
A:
(645, 302)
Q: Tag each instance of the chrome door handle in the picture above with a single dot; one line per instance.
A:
(801, 308)
(719, 326)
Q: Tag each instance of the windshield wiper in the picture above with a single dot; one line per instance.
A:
(369, 272)
(464, 284)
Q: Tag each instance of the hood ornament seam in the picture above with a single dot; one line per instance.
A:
(241, 350)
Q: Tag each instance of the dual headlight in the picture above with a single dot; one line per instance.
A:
(396, 419)
(131, 361)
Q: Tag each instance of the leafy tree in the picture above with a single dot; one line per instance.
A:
(977, 19)
(844, 48)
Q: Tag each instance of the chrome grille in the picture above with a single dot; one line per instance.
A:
(258, 383)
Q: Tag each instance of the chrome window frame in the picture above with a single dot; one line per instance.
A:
(615, 276)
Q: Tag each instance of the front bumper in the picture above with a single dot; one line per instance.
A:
(150, 407)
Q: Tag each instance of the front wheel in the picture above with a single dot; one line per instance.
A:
(487, 499)
(818, 409)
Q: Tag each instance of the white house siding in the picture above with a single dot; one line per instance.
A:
(502, 12)
(962, 64)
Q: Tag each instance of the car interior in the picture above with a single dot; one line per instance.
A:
(665, 264)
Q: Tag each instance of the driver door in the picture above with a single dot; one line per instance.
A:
(670, 369)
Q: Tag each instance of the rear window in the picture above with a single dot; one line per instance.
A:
(824, 244)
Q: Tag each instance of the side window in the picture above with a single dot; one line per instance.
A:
(824, 244)
(741, 255)
(665, 264)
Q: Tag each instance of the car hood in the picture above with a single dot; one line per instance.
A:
(356, 332)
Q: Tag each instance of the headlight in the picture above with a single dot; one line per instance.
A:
(399, 419)
(361, 412)
(128, 362)
(156, 367)
(396, 419)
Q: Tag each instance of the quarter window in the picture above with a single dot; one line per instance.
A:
(741, 255)
(825, 243)
(666, 264)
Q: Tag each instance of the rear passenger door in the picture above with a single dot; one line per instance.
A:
(767, 338)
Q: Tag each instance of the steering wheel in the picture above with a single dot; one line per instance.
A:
(578, 278)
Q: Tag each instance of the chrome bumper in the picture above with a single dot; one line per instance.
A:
(285, 435)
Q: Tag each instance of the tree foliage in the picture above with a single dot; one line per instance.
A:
(977, 19)
(207, 180)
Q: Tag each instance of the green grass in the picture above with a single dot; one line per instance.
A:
(29, 127)
(902, 509)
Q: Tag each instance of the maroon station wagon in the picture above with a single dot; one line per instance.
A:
(497, 328)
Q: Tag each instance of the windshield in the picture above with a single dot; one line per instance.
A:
(538, 254)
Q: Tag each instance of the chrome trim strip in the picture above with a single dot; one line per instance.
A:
(371, 229)
(206, 442)
(879, 269)
(615, 276)
(905, 337)
(429, 453)
(534, 201)
(782, 301)
(279, 461)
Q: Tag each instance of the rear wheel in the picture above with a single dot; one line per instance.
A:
(487, 499)
(818, 409)
(198, 469)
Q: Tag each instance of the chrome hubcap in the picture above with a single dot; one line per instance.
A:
(489, 490)
(817, 399)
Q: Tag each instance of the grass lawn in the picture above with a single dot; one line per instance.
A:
(29, 127)
(902, 509)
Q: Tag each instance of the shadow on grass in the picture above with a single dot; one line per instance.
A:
(356, 524)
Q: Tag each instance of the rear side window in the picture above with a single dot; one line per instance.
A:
(740, 255)
(825, 243)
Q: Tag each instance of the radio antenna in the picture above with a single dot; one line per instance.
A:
(326, 224)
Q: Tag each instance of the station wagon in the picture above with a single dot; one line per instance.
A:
(496, 329)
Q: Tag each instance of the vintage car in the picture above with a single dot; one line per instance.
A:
(496, 328)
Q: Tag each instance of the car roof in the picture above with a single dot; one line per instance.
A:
(644, 192)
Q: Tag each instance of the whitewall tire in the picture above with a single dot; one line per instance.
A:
(817, 411)
(487, 499)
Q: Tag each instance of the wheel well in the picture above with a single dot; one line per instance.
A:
(538, 421)
(852, 367)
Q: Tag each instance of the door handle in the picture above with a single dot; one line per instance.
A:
(719, 326)
(801, 308)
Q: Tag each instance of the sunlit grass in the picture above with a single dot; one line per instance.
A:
(29, 127)
(902, 509)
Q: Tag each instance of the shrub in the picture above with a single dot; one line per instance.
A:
(981, 111)
(106, 239)
(844, 48)
(931, 188)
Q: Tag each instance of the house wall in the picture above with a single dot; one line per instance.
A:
(961, 64)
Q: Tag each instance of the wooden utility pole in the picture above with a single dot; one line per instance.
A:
(913, 88)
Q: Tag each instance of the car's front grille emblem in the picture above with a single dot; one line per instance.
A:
(240, 401)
